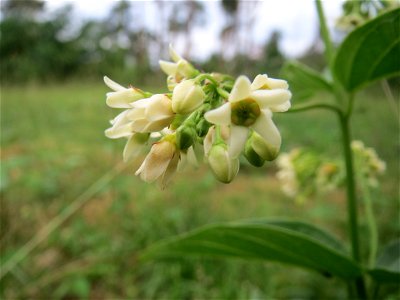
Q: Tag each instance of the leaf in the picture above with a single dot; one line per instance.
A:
(388, 264)
(370, 52)
(304, 81)
(288, 242)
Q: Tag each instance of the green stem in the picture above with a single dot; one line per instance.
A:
(325, 33)
(202, 77)
(351, 200)
(370, 220)
(315, 105)
(224, 94)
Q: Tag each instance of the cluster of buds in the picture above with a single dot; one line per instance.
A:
(207, 114)
(368, 163)
(303, 173)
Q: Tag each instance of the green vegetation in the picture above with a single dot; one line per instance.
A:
(53, 149)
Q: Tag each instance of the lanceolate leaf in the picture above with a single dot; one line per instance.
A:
(370, 52)
(307, 247)
(304, 82)
(388, 264)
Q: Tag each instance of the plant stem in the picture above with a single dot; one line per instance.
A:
(315, 105)
(351, 199)
(373, 248)
(325, 33)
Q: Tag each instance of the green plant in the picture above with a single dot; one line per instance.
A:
(368, 54)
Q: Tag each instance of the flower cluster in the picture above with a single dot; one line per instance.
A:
(303, 173)
(207, 114)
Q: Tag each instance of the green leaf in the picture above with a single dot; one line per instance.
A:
(287, 242)
(388, 264)
(304, 82)
(370, 52)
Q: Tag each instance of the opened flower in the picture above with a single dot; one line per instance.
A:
(250, 105)
(177, 70)
(122, 97)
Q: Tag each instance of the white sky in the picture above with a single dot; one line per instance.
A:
(295, 19)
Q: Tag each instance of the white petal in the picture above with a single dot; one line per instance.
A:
(281, 108)
(132, 148)
(122, 98)
(121, 119)
(277, 84)
(116, 132)
(237, 140)
(268, 98)
(259, 82)
(175, 56)
(220, 115)
(159, 108)
(265, 127)
(168, 68)
(240, 90)
(113, 85)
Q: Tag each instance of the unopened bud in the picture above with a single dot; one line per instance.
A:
(185, 137)
(202, 127)
(252, 156)
(187, 96)
(264, 149)
(223, 166)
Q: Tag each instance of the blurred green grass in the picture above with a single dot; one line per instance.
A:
(53, 147)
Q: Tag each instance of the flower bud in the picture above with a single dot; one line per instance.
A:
(252, 156)
(261, 146)
(187, 96)
(185, 136)
(223, 166)
(202, 127)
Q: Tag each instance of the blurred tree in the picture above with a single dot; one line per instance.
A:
(26, 9)
(35, 50)
(272, 58)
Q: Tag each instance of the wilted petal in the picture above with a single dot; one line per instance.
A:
(169, 173)
(157, 161)
(113, 85)
(265, 127)
(240, 90)
(237, 140)
(220, 115)
(268, 98)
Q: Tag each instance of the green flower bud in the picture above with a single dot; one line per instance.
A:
(187, 96)
(202, 127)
(252, 156)
(261, 146)
(185, 136)
(223, 166)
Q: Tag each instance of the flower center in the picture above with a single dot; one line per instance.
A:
(245, 112)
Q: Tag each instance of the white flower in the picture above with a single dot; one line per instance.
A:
(287, 175)
(161, 163)
(187, 96)
(251, 105)
(145, 115)
(121, 97)
(135, 144)
(177, 70)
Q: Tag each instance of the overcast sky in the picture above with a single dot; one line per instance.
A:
(295, 19)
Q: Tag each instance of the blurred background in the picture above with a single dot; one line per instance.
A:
(56, 163)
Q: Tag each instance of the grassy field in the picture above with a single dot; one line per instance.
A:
(53, 149)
